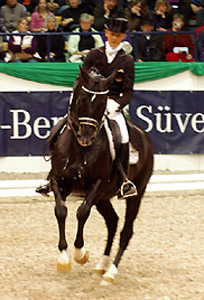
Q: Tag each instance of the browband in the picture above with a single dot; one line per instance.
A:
(94, 92)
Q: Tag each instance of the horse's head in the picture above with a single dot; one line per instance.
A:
(89, 103)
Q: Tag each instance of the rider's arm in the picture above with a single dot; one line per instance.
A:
(127, 83)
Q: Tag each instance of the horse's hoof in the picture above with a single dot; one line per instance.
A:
(104, 283)
(82, 260)
(62, 268)
(63, 262)
(99, 272)
(102, 265)
(109, 279)
(109, 276)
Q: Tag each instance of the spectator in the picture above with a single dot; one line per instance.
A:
(104, 10)
(150, 46)
(136, 12)
(30, 5)
(162, 15)
(151, 4)
(57, 42)
(2, 54)
(71, 15)
(178, 47)
(200, 18)
(53, 6)
(196, 5)
(80, 45)
(22, 47)
(181, 7)
(39, 16)
(87, 6)
(185, 10)
(125, 3)
(10, 15)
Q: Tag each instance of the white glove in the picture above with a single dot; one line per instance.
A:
(112, 107)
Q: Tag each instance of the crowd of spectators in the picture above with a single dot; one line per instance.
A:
(154, 20)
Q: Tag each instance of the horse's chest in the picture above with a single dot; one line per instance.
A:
(79, 167)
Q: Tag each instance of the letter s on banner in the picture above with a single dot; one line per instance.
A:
(143, 117)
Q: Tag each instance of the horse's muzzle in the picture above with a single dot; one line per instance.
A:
(84, 142)
(87, 131)
(86, 136)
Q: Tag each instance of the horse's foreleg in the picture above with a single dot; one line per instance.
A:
(105, 208)
(63, 261)
(133, 204)
(80, 254)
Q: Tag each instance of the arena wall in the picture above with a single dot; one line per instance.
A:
(185, 81)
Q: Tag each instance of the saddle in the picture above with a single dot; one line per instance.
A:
(115, 135)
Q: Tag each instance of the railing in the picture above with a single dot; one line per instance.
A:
(198, 42)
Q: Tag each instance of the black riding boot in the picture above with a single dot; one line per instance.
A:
(128, 188)
(44, 189)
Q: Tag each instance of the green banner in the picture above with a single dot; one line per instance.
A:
(64, 74)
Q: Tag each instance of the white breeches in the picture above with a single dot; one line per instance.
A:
(119, 118)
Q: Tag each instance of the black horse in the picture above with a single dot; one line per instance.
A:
(82, 163)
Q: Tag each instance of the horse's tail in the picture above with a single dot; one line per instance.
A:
(54, 134)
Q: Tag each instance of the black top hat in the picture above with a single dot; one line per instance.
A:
(118, 25)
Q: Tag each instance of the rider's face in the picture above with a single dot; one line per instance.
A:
(114, 38)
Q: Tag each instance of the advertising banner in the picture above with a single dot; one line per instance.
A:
(26, 120)
(174, 120)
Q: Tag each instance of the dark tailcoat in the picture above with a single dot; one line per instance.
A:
(121, 89)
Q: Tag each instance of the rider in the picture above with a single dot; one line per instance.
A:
(107, 59)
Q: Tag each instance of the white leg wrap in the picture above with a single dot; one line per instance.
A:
(63, 262)
(63, 258)
(110, 274)
(103, 263)
(79, 253)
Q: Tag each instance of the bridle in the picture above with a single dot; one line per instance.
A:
(87, 120)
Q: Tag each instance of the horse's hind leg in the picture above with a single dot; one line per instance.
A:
(132, 209)
(105, 208)
(63, 261)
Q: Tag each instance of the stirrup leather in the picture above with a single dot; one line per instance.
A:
(132, 191)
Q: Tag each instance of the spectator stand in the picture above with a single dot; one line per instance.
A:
(198, 40)
(135, 37)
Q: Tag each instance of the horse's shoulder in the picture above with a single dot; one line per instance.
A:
(55, 131)
(115, 132)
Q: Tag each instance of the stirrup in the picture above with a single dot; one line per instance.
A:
(131, 189)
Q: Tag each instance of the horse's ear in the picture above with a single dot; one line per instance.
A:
(84, 76)
(110, 79)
